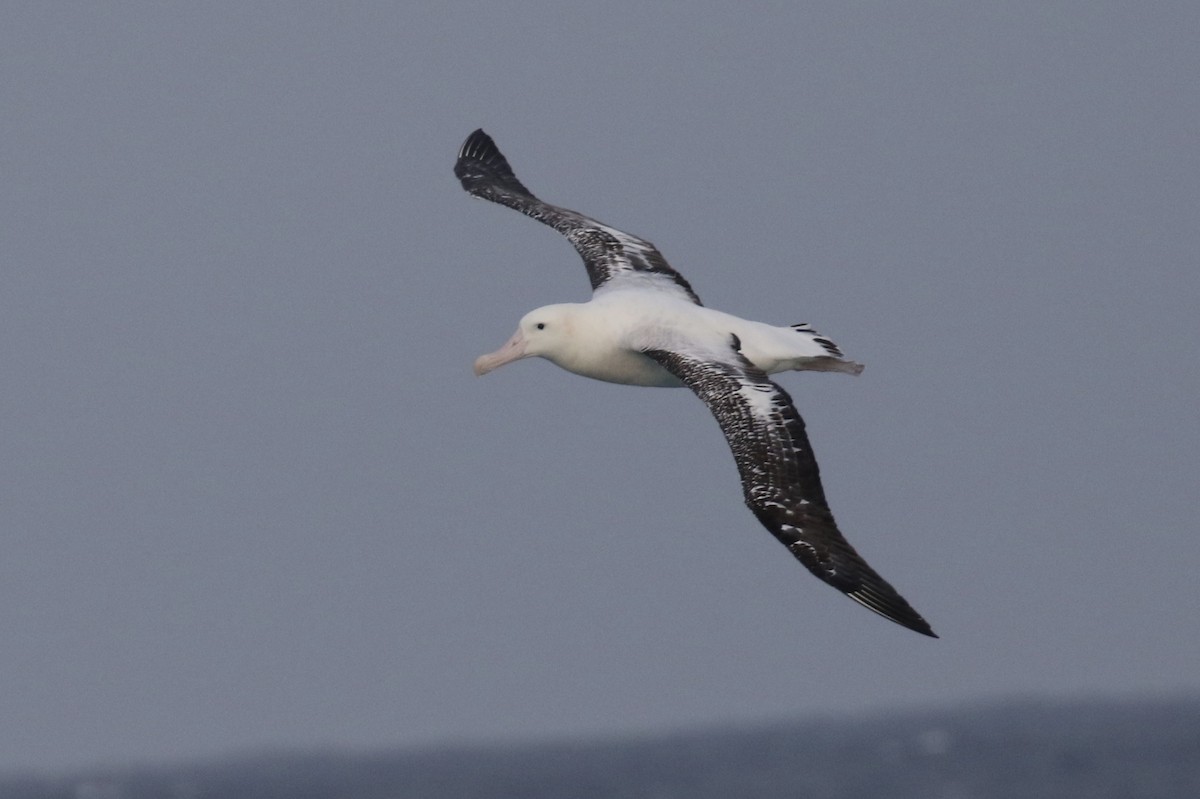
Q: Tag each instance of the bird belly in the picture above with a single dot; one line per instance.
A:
(626, 367)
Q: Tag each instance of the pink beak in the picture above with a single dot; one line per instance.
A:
(513, 350)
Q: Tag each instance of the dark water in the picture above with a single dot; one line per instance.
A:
(1016, 750)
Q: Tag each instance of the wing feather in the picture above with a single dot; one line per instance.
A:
(780, 476)
(612, 257)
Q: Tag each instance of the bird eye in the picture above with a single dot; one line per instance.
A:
(541, 325)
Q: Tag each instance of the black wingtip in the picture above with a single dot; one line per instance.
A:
(476, 146)
(921, 626)
(481, 166)
(893, 607)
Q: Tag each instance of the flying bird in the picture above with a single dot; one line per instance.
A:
(645, 326)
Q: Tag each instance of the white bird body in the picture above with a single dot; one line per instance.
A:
(604, 339)
(645, 326)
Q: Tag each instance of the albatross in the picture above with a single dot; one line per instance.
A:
(645, 326)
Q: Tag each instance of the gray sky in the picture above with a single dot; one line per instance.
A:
(252, 496)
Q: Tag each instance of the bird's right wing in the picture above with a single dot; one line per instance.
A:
(780, 477)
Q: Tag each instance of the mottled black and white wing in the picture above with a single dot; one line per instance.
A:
(612, 257)
(780, 477)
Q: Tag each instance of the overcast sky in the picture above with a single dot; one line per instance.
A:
(251, 494)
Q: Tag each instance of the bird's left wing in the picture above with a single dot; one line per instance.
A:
(780, 477)
(613, 258)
